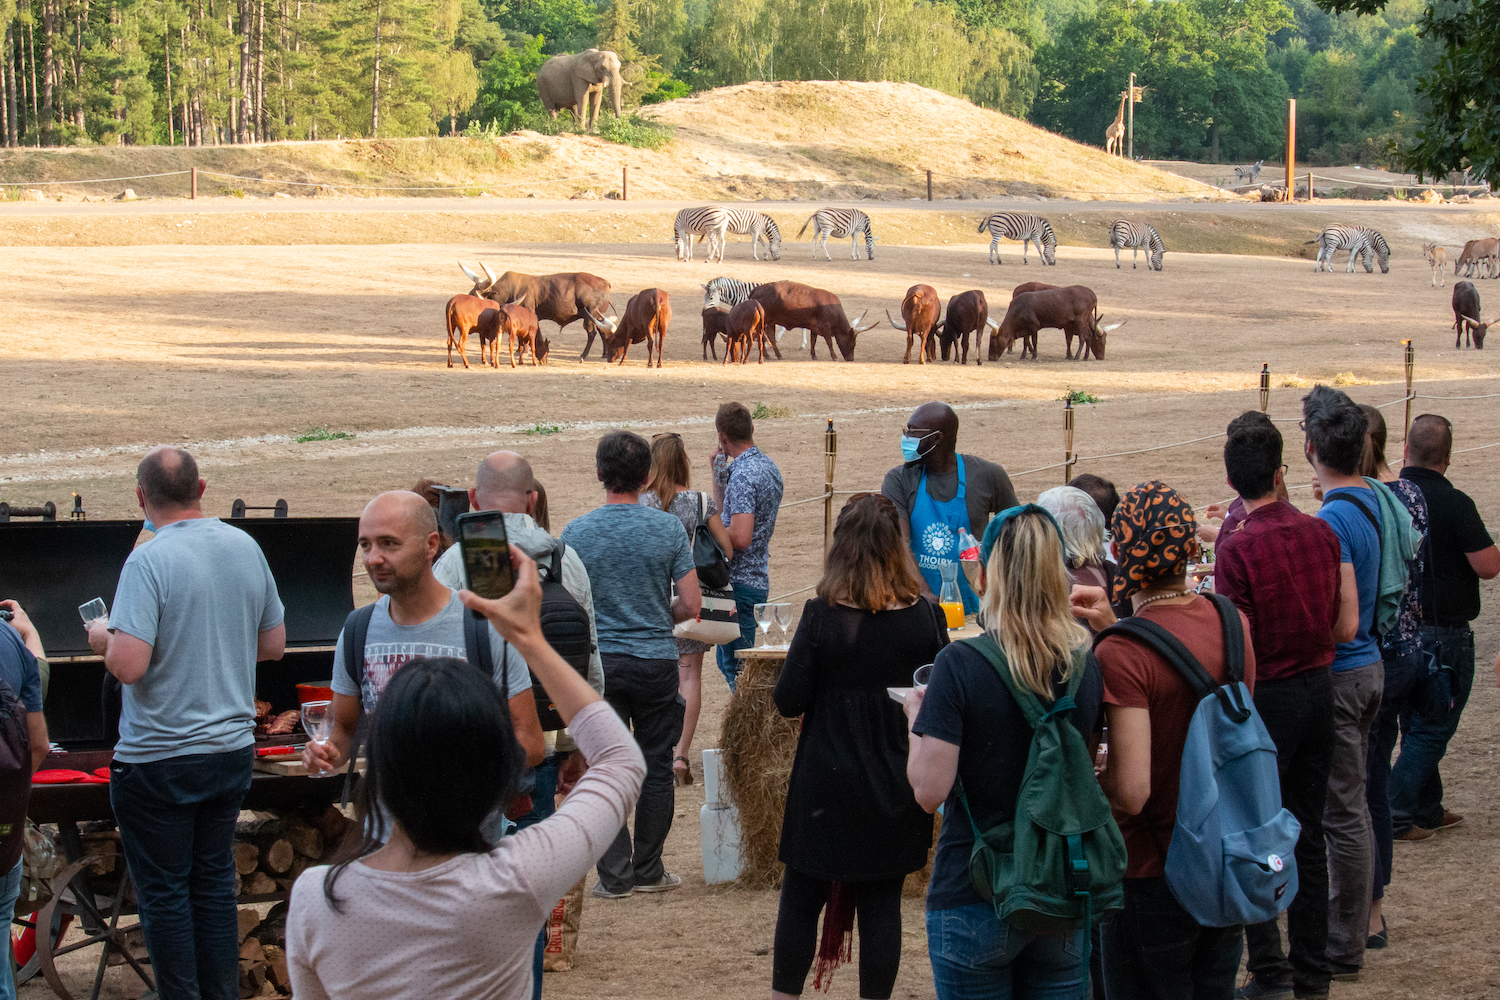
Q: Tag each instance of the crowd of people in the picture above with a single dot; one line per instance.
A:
(1348, 629)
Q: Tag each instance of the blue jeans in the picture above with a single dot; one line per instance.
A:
(1153, 950)
(977, 956)
(10, 891)
(1416, 788)
(1403, 674)
(745, 600)
(176, 819)
(543, 804)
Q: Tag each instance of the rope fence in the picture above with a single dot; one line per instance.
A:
(1072, 458)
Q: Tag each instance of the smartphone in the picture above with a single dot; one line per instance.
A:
(486, 553)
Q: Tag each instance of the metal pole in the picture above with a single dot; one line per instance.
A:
(1067, 442)
(625, 183)
(1265, 386)
(1411, 361)
(194, 195)
(1291, 145)
(929, 185)
(830, 459)
(1309, 185)
(1131, 130)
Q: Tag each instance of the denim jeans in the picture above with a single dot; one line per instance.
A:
(543, 804)
(1153, 950)
(644, 694)
(977, 956)
(745, 600)
(10, 891)
(176, 819)
(1403, 671)
(1416, 789)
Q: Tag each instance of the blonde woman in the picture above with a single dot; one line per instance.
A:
(967, 726)
(667, 489)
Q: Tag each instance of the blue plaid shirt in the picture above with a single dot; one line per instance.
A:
(754, 487)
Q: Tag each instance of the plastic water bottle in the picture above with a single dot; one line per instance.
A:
(968, 545)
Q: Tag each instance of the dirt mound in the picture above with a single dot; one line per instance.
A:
(776, 141)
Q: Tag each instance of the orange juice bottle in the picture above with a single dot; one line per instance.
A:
(954, 612)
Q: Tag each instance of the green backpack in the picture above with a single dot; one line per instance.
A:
(1059, 865)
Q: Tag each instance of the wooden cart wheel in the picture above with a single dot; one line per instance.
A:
(99, 929)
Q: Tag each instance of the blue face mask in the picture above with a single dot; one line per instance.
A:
(911, 447)
(148, 526)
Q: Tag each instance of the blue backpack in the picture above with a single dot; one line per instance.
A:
(1231, 860)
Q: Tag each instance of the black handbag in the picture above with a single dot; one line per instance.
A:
(708, 558)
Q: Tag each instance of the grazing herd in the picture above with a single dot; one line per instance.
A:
(748, 316)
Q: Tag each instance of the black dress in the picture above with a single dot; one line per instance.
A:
(850, 812)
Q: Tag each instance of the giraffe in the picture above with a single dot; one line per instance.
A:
(1114, 135)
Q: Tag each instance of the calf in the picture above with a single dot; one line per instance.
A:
(715, 325)
(919, 318)
(462, 315)
(519, 325)
(1438, 257)
(747, 325)
(1466, 315)
(968, 313)
(647, 316)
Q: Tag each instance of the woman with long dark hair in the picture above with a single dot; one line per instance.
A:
(667, 489)
(428, 907)
(969, 735)
(852, 831)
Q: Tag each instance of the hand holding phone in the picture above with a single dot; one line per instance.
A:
(486, 553)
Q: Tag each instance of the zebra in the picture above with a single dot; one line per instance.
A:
(727, 292)
(1027, 229)
(1243, 175)
(706, 221)
(1137, 236)
(1362, 243)
(840, 222)
(759, 227)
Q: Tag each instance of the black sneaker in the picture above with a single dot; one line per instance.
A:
(1256, 990)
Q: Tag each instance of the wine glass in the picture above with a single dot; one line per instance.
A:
(763, 619)
(783, 616)
(317, 722)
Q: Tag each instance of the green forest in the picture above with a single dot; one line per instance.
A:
(1215, 74)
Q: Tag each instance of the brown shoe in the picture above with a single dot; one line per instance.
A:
(1451, 820)
(1415, 834)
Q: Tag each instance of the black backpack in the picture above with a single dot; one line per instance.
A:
(15, 776)
(566, 626)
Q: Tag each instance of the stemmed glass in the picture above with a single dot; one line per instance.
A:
(763, 614)
(783, 615)
(317, 722)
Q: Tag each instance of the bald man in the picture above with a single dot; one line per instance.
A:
(195, 608)
(941, 491)
(415, 616)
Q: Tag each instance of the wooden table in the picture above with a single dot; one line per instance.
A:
(758, 747)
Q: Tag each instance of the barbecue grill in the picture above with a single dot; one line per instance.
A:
(51, 567)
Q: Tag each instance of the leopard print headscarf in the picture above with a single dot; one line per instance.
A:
(1156, 533)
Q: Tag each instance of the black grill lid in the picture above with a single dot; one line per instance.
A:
(51, 567)
(312, 559)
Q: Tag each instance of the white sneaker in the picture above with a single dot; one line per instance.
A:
(667, 883)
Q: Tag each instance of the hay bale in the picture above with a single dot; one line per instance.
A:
(758, 749)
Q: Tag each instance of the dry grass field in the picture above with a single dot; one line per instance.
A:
(240, 328)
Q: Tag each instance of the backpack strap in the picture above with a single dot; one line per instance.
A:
(1374, 523)
(477, 650)
(555, 570)
(1026, 699)
(356, 628)
(1179, 658)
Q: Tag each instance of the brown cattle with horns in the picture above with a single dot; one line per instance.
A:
(647, 316)
(919, 318)
(562, 298)
(462, 315)
(1073, 309)
(796, 306)
(968, 313)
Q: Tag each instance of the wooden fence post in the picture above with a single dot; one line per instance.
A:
(1067, 442)
(625, 183)
(1411, 360)
(929, 185)
(1265, 386)
(193, 195)
(830, 459)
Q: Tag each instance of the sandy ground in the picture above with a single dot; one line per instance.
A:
(238, 349)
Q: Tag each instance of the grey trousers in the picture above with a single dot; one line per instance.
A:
(1346, 816)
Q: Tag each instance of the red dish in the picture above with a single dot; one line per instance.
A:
(314, 692)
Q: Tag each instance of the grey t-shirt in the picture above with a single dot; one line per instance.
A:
(633, 554)
(389, 647)
(987, 489)
(200, 593)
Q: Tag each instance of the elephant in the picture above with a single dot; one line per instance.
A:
(577, 82)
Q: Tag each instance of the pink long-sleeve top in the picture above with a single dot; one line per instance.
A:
(464, 928)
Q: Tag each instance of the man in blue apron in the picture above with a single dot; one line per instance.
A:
(940, 492)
